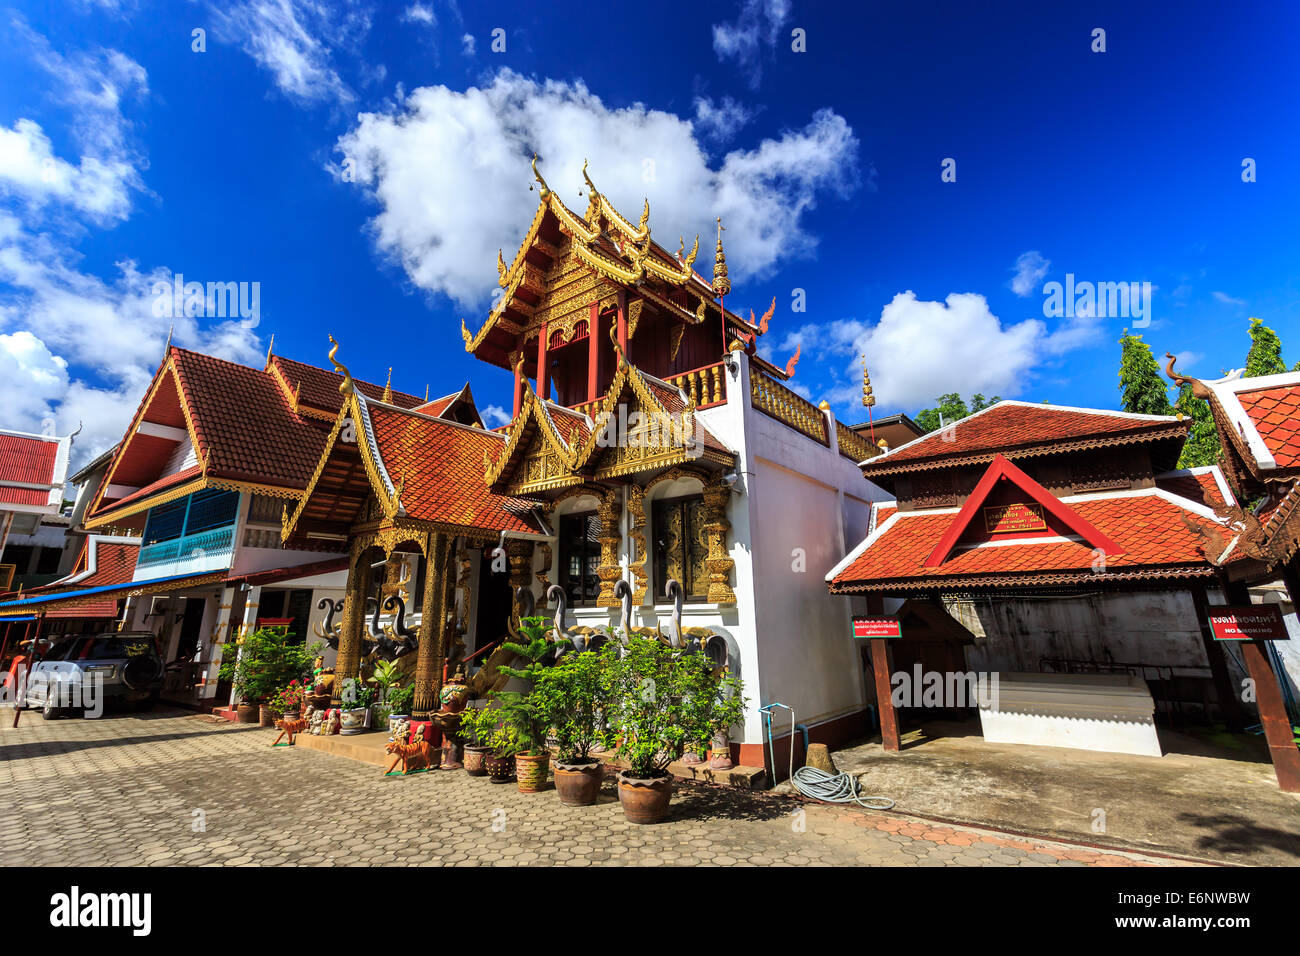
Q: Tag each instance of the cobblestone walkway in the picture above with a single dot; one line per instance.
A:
(168, 789)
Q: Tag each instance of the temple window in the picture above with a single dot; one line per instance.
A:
(680, 546)
(579, 551)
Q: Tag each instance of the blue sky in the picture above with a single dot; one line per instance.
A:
(364, 162)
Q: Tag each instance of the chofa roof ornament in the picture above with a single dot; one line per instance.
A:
(346, 387)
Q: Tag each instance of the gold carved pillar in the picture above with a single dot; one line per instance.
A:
(608, 570)
(519, 553)
(348, 663)
(716, 495)
(636, 511)
(431, 650)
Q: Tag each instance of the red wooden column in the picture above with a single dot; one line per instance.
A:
(1272, 714)
(593, 350)
(622, 322)
(543, 369)
(881, 668)
(519, 387)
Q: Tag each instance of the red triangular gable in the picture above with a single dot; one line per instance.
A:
(1000, 468)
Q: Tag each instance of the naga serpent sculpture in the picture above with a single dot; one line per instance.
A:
(581, 638)
(331, 631)
(396, 640)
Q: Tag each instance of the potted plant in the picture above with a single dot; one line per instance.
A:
(355, 713)
(288, 702)
(659, 699)
(574, 696)
(475, 728)
(399, 701)
(262, 662)
(523, 723)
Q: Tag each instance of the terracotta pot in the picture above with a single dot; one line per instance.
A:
(454, 695)
(474, 761)
(531, 771)
(247, 713)
(292, 715)
(265, 717)
(499, 769)
(353, 721)
(394, 720)
(578, 783)
(645, 799)
(720, 760)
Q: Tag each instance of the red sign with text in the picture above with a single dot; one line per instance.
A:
(1258, 622)
(877, 627)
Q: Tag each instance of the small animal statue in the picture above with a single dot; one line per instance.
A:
(413, 755)
(291, 728)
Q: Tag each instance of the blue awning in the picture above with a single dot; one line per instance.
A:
(102, 589)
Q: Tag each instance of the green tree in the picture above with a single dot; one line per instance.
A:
(1265, 355)
(1202, 446)
(1143, 388)
(951, 409)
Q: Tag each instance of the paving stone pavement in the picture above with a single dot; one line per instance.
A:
(174, 789)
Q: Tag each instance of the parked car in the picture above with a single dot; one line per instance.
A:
(89, 672)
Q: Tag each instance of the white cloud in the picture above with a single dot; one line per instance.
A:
(1030, 268)
(720, 120)
(420, 13)
(450, 172)
(468, 45)
(980, 353)
(495, 415)
(758, 26)
(296, 40)
(1224, 299)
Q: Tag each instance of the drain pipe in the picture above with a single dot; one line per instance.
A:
(766, 711)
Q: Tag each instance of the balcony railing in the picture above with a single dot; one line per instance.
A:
(704, 386)
(194, 553)
(775, 400)
(852, 445)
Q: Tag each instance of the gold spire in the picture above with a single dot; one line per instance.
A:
(388, 387)
(721, 284)
(345, 387)
(546, 190)
(868, 399)
(270, 348)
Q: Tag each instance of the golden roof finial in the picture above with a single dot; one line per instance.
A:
(868, 399)
(345, 387)
(545, 189)
(388, 387)
(618, 349)
(721, 284)
(501, 269)
(167, 349)
(270, 348)
(591, 187)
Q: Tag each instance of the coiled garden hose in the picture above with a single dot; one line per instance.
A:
(835, 788)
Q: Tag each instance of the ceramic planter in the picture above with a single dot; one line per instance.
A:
(353, 721)
(578, 784)
(474, 761)
(531, 771)
(394, 720)
(645, 799)
(246, 712)
(499, 769)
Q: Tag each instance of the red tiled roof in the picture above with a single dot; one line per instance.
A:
(1275, 413)
(167, 481)
(1202, 488)
(114, 565)
(1149, 529)
(23, 496)
(245, 427)
(671, 399)
(29, 460)
(439, 468)
(319, 388)
(1019, 428)
(437, 406)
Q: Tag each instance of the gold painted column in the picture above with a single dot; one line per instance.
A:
(719, 562)
(519, 553)
(609, 569)
(431, 651)
(348, 663)
(636, 511)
